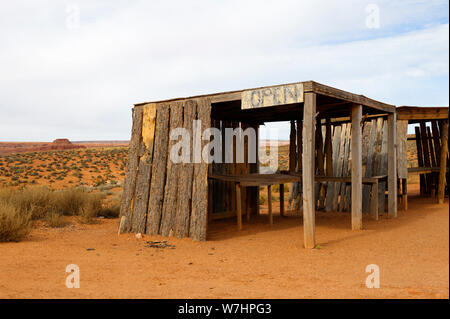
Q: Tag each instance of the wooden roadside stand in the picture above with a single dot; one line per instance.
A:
(342, 154)
(431, 139)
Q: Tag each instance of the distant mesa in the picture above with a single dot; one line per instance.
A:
(62, 144)
(62, 141)
(58, 144)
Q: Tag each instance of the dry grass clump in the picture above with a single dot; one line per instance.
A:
(14, 224)
(19, 207)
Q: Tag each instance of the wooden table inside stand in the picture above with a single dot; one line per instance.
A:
(257, 180)
(268, 180)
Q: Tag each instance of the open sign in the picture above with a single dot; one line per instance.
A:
(271, 96)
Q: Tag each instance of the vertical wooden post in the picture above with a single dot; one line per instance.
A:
(282, 199)
(443, 163)
(308, 137)
(356, 167)
(269, 198)
(392, 165)
(292, 148)
(420, 161)
(238, 206)
(374, 200)
(299, 145)
(405, 193)
(426, 156)
(328, 149)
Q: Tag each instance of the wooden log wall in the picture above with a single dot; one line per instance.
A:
(428, 143)
(223, 193)
(160, 196)
(333, 158)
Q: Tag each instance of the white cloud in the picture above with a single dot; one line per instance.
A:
(81, 84)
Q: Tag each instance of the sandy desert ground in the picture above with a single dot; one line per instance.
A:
(412, 252)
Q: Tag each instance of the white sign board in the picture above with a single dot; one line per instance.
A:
(272, 96)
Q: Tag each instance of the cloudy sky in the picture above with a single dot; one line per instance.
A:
(74, 69)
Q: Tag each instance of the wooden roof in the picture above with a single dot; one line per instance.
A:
(415, 113)
(336, 97)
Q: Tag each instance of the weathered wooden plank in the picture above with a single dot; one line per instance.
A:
(392, 165)
(346, 165)
(374, 201)
(269, 201)
(339, 167)
(331, 188)
(282, 199)
(159, 167)
(328, 149)
(420, 160)
(426, 155)
(295, 195)
(173, 169)
(129, 185)
(309, 112)
(383, 168)
(405, 193)
(422, 113)
(356, 168)
(434, 177)
(319, 188)
(292, 148)
(299, 145)
(437, 149)
(139, 216)
(436, 139)
(431, 147)
(184, 197)
(402, 152)
(443, 163)
(239, 206)
(370, 130)
(198, 222)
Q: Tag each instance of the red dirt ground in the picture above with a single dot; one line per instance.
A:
(412, 252)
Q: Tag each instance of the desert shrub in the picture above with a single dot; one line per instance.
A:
(33, 200)
(69, 202)
(55, 220)
(14, 224)
(111, 211)
(91, 208)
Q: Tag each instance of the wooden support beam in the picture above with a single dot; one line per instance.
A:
(309, 123)
(269, 199)
(292, 148)
(420, 160)
(426, 155)
(356, 167)
(282, 199)
(238, 206)
(328, 149)
(299, 145)
(443, 163)
(392, 165)
(374, 200)
(405, 193)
